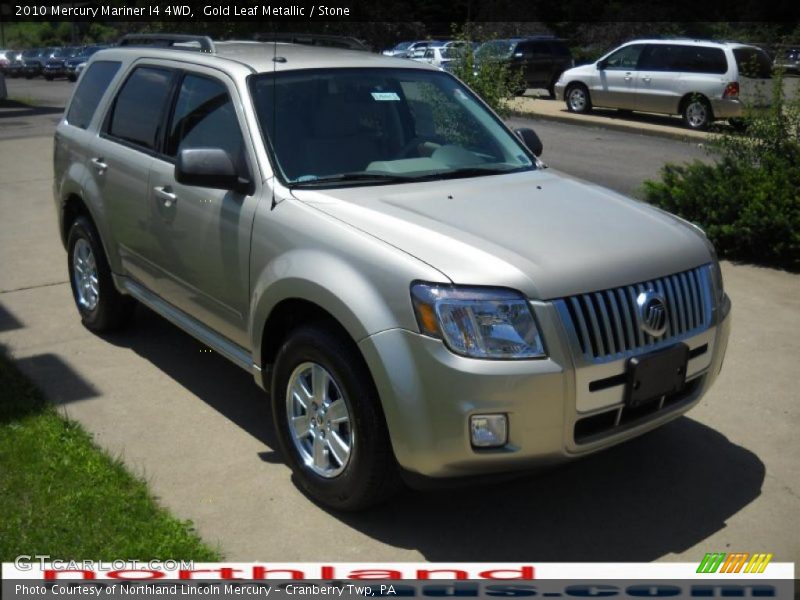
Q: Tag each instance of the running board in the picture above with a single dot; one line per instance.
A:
(233, 352)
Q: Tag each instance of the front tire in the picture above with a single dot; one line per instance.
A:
(329, 421)
(578, 99)
(101, 306)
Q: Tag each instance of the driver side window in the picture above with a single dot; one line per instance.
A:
(625, 58)
(204, 116)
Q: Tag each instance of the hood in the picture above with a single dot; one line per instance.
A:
(580, 71)
(540, 232)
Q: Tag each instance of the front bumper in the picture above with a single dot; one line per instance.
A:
(428, 394)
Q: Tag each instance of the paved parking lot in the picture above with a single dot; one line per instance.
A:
(726, 477)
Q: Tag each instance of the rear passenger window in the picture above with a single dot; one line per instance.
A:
(204, 117)
(699, 59)
(139, 106)
(90, 90)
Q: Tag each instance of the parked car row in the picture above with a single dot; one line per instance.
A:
(48, 62)
(539, 59)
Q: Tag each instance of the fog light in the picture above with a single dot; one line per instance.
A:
(488, 431)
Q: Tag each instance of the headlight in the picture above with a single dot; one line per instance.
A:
(478, 322)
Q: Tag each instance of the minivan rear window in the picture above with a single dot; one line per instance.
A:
(753, 62)
(91, 88)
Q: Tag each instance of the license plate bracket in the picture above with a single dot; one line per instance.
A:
(651, 376)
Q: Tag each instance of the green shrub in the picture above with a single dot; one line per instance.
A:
(748, 200)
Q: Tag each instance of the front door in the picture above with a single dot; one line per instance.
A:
(201, 236)
(616, 83)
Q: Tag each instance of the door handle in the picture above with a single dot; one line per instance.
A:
(165, 195)
(98, 164)
(646, 79)
(627, 77)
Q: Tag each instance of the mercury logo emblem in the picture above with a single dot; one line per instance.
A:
(652, 312)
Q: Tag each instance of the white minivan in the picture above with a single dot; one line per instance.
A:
(700, 80)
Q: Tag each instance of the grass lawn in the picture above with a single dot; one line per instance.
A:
(61, 495)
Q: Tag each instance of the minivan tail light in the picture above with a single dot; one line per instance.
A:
(731, 90)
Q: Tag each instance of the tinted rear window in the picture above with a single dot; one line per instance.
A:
(753, 62)
(91, 88)
(139, 106)
(684, 59)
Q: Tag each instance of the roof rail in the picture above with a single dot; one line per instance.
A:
(176, 41)
(313, 39)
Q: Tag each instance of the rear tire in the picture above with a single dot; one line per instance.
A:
(697, 114)
(329, 421)
(578, 99)
(101, 306)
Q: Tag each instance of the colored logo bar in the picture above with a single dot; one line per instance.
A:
(737, 562)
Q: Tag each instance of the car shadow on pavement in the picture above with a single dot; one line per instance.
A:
(214, 379)
(16, 109)
(662, 493)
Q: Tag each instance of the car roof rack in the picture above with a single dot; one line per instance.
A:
(176, 41)
(313, 39)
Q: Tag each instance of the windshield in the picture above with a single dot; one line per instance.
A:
(373, 125)
(403, 45)
(495, 49)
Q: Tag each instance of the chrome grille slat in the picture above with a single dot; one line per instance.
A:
(583, 333)
(687, 301)
(698, 303)
(623, 345)
(608, 335)
(626, 312)
(600, 347)
(676, 281)
(606, 324)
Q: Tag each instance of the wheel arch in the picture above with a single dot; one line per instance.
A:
(315, 285)
(688, 96)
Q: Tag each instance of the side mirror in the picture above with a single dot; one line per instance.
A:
(211, 168)
(531, 140)
(601, 65)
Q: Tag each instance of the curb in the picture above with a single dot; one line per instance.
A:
(624, 127)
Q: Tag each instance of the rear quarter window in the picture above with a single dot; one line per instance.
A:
(90, 90)
(753, 62)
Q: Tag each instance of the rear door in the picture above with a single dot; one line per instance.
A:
(538, 63)
(615, 85)
(658, 78)
(119, 164)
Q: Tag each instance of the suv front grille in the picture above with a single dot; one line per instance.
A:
(606, 324)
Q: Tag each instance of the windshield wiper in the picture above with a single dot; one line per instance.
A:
(470, 172)
(353, 177)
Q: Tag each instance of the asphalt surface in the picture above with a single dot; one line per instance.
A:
(724, 478)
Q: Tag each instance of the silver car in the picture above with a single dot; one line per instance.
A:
(701, 81)
(422, 298)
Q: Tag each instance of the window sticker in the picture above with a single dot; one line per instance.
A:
(385, 96)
